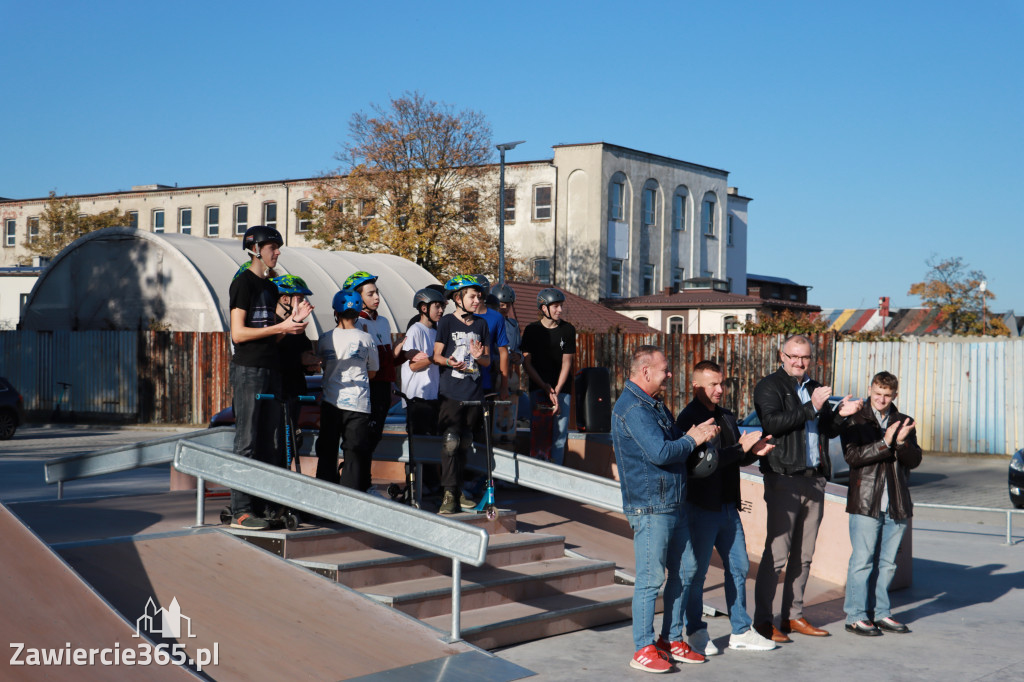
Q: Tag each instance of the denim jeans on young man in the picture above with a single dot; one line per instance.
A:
(561, 426)
(719, 530)
(257, 425)
(867, 584)
(660, 542)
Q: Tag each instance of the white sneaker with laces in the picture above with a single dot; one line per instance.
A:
(701, 642)
(750, 640)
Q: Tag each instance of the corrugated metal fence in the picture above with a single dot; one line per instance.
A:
(966, 396)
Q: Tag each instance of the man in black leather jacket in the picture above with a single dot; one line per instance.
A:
(794, 410)
(880, 445)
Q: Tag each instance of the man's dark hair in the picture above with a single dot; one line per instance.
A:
(707, 366)
(886, 380)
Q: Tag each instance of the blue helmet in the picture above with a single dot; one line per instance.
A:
(460, 282)
(346, 300)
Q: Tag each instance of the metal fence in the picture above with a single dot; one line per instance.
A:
(966, 395)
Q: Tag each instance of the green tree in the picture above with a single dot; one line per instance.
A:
(787, 322)
(62, 222)
(955, 290)
(414, 182)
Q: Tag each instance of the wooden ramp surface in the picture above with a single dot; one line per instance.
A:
(45, 605)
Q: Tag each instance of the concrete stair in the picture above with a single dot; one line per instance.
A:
(527, 589)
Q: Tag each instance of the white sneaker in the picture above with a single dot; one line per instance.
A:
(701, 642)
(750, 641)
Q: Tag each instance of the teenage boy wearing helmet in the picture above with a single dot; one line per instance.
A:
(350, 361)
(256, 364)
(379, 328)
(505, 415)
(420, 376)
(297, 354)
(549, 346)
(461, 351)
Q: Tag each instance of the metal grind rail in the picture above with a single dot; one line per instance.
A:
(126, 457)
(959, 507)
(458, 541)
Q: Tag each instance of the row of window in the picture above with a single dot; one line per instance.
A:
(541, 204)
(649, 209)
(675, 323)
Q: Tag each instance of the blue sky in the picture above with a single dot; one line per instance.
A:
(871, 135)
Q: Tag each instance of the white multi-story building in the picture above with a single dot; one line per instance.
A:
(599, 220)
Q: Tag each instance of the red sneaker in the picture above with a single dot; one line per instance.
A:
(651, 660)
(680, 652)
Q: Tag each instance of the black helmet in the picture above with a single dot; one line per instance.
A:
(485, 283)
(260, 234)
(505, 294)
(549, 296)
(428, 295)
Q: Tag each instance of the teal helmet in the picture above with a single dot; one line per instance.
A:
(291, 284)
(358, 279)
(460, 282)
(241, 268)
(346, 300)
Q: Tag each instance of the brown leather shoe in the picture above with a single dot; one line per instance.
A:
(803, 627)
(769, 631)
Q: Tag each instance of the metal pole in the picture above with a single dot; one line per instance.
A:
(60, 490)
(200, 501)
(501, 222)
(456, 600)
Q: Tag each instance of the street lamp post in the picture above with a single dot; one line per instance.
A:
(983, 286)
(502, 148)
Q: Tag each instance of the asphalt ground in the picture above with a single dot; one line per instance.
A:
(965, 606)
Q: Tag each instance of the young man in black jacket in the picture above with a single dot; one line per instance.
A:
(794, 410)
(712, 509)
(880, 445)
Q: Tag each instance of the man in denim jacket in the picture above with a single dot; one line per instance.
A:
(652, 454)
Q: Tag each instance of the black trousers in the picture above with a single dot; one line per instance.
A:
(380, 403)
(462, 420)
(351, 431)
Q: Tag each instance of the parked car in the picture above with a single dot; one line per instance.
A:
(840, 469)
(1016, 479)
(309, 413)
(12, 410)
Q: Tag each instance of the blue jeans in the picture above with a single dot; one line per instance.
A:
(723, 531)
(561, 427)
(661, 542)
(875, 543)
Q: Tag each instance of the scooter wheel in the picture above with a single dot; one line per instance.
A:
(394, 492)
(225, 515)
(291, 521)
(492, 513)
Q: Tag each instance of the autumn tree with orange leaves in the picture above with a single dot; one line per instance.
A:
(953, 289)
(414, 182)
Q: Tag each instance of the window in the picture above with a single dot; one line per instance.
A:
(368, 209)
(615, 277)
(730, 323)
(185, 220)
(10, 232)
(542, 270)
(707, 217)
(158, 220)
(133, 219)
(650, 201)
(648, 281)
(510, 204)
(33, 229)
(542, 202)
(241, 219)
(212, 221)
(677, 279)
(675, 325)
(679, 212)
(617, 201)
(728, 231)
(642, 320)
(303, 210)
(270, 214)
(469, 200)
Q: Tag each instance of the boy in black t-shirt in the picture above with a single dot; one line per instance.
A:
(549, 347)
(256, 365)
(461, 351)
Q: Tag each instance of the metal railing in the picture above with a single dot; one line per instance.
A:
(992, 510)
(126, 457)
(458, 541)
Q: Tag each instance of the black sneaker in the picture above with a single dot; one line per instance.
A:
(865, 628)
(246, 521)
